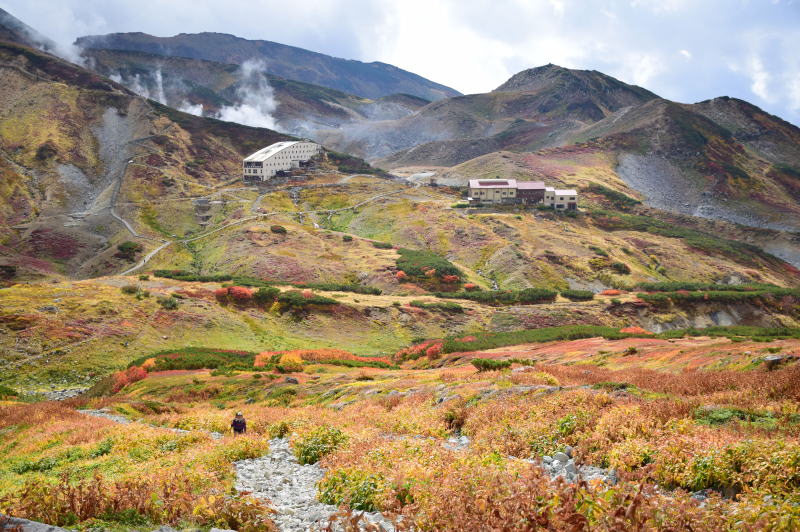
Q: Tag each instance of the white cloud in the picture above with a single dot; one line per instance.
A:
(686, 53)
(759, 77)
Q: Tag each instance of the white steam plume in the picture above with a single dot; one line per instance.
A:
(257, 101)
(192, 109)
(140, 85)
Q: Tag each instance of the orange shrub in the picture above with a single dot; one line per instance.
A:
(240, 294)
(401, 275)
(450, 278)
(221, 294)
(469, 287)
(610, 292)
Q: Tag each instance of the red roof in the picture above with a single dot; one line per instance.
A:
(492, 183)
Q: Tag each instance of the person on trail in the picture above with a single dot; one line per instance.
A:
(239, 425)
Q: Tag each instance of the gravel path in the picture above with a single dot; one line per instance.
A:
(291, 488)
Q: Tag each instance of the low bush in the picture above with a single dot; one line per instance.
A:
(130, 289)
(144, 277)
(265, 295)
(358, 490)
(490, 364)
(295, 299)
(418, 264)
(309, 448)
(347, 238)
(289, 363)
(278, 229)
(128, 250)
(168, 303)
(621, 268)
(446, 306)
(578, 295)
(526, 296)
(382, 245)
(618, 199)
(6, 392)
(342, 287)
(172, 497)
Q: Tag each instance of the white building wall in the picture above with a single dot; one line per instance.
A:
(285, 159)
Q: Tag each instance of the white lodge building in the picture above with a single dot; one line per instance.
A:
(266, 162)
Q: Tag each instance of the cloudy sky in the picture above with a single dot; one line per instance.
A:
(685, 50)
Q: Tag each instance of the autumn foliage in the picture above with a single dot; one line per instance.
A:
(129, 376)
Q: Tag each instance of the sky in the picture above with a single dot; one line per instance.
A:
(684, 50)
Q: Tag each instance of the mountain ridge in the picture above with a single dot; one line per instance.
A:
(372, 80)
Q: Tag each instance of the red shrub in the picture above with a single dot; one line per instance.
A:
(434, 351)
(469, 287)
(307, 294)
(401, 275)
(240, 294)
(124, 378)
(450, 278)
(221, 294)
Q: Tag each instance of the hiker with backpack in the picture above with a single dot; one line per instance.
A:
(239, 425)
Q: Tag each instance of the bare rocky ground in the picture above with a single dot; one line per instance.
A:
(291, 488)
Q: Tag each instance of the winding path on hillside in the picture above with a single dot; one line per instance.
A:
(254, 217)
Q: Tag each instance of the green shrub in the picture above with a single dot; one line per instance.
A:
(128, 250)
(347, 238)
(621, 268)
(504, 297)
(102, 448)
(130, 289)
(295, 299)
(168, 303)
(459, 205)
(490, 364)
(357, 489)
(342, 287)
(265, 295)
(490, 340)
(382, 245)
(279, 429)
(6, 392)
(320, 442)
(278, 229)
(578, 295)
(599, 251)
(144, 277)
(446, 306)
(618, 199)
(416, 263)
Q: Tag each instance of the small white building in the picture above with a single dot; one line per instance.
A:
(566, 199)
(266, 162)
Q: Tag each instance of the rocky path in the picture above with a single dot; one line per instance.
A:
(291, 488)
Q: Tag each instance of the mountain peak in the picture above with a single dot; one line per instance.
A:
(555, 76)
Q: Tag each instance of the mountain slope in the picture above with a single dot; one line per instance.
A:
(300, 108)
(14, 30)
(371, 80)
(537, 108)
(79, 154)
